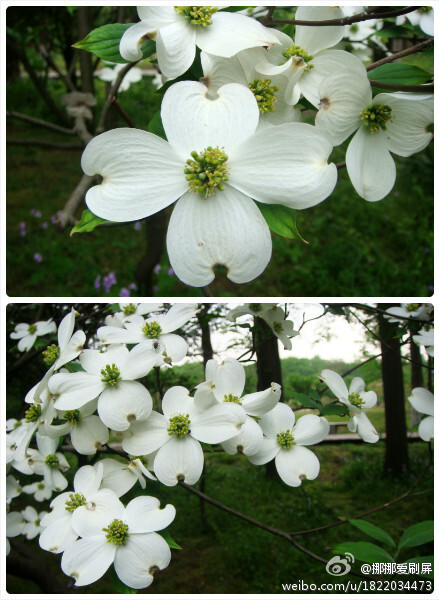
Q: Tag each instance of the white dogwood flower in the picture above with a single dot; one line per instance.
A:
(426, 338)
(178, 30)
(155, 331)
(121, 476)
(110, 75)
(48, 462)
(40, 490)
(214, 163)
(109, 376)
(273, 315)
(32, 526)
(306, 60)
(422, 400)
(177, 434)
(409, 310)
(27, 334)
(285, 441)
(356, 400)
(13, 488)
(389, 123)
(125, 536)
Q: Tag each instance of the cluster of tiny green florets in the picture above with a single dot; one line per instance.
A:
(424, 9)
(197, 15)
(40, 486)
(294, 50)
(117, 532)
(33, 413)
(129, 309)
(354, 28)
(255, 307)
(286, 439)
(75, 501)
(207, 171)
(376, 116)
(412, 307)
(264, 94)
(72, 416)
(51, 354)
(152, 330)
(32, 329)
(52, 460)
(110, 375)
(277, 327)
(356, 399)
(232, 398)
(179, 425)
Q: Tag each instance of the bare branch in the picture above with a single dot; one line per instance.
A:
(113, 91)
(364, 16)
(421, 47)
(39, 122)
(66, 215)
(36, 142)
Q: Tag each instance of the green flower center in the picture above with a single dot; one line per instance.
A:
(424, 9)
(152, 330)
(277, 327)
(33, 413)
(412, 307)
(354, 28)
(294, 50)
(52, 460)
(197, 15)
(117, 532)
(207, 171)
(40, 486)
(376, 116)
(356, 399)
(51, 354)
(72, 416)
(264, 94)
(37, 522)
(75, 501)
(286, 439)
(110, 375)
(255, 307)
(232, 398)
(32, 329)
(129, 309)
(179, 425)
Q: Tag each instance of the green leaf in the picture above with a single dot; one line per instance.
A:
(364, 551)
(281, 220)
(87, 223)
(376, 532)
(306, 401)
(156, 126)
(399, 74)
(416, 535)
(392, 32)
(333, 408)
(170, 541)
(104, 43)
(420, 560)
(73, 367)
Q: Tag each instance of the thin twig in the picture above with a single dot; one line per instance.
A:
(364, 16)
(421, 47)
(46, 144)
(113, 91)
(39, 122)
(122, 113)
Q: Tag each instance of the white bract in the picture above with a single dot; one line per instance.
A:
(356, 400)
(32, 526)
(27, 334)
(48, 462)
(125, 536)
(120, 476)
(285, 441)
(389, 123)
(178, 30)
(177, 434)
(273, 315)
(424, 17)
(154, 332)
(40, 490)
(110, 75)
(13, 488)
(407, 311)
(426, 338)
(215, 164)
(422, 400)
(109, 376)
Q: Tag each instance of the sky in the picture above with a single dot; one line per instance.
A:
(330, 337)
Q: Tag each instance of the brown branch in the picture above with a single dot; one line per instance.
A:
(113, 91)
(207, 291)
(49, 60)
(39, 122)
(122, 113)
(36, 142)
(66, 215)
(421, 47)
(364, 16)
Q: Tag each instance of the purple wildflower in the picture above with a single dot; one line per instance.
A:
(133, 287)
(97, 283)
(22, 228)
(108, 281)
(157, 269)
(171, 271)
(37, 257)
(138, 225)
(124, 292)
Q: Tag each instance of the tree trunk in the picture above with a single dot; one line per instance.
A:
(156, 236)
(85, 58)
(206, 342)
(396, 458)
(268, 366)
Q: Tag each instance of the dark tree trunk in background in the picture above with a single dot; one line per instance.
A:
(206, 343)
(155, 241)
(268, 366)
(396, 459)
(85, 58)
